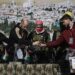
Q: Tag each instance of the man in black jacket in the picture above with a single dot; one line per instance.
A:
(18, 35)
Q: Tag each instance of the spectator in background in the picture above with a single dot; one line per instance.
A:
(53, 36)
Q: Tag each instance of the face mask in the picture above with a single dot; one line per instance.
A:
(39, 29)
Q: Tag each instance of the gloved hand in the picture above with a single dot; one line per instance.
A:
(36, 43)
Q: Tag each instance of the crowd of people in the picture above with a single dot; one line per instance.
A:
(40, 46)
